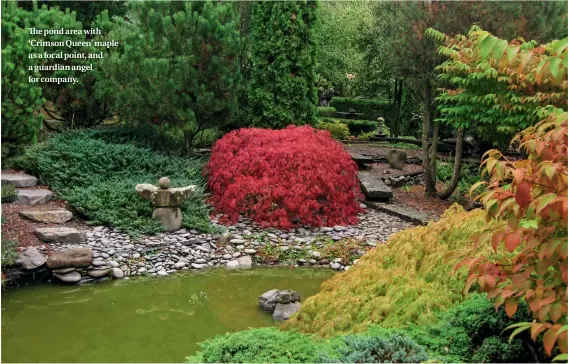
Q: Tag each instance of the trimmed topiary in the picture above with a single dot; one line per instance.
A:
(284, 178)
(338, 130)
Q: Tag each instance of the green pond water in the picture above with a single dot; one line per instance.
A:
(141, 319)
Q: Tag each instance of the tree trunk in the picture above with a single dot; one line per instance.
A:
(457, 167)
(425, 134)
(433, 157)
(398, 87)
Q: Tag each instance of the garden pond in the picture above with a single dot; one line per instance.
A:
(143, 319)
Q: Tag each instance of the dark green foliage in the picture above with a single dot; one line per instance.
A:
(144, 136)
(9, 192)
(472, 332)
(469, 175)
(98, 180)
(264, 345)
(328, 112)
(177, 66)
(283, 90)
(394, 348)
(371, 109)
(356, 127)
(20, 99)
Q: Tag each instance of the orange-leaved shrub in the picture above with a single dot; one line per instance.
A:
(284, 178)
(531, 195)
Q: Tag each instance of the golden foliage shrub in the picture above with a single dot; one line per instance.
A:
(407, 280)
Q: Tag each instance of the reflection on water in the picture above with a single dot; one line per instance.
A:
(142, 319)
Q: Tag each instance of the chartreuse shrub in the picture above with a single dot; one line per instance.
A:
(407, 280)
(293, 176)
(338, 130)
(98, 179)
(356, 127)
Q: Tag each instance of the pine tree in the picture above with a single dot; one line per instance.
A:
(21, 99)
(283, 86)
(176, 66)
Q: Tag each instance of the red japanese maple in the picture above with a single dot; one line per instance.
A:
(284, 178)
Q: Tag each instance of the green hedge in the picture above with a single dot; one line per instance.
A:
(372, 108)
(356, 127)
(328, 112)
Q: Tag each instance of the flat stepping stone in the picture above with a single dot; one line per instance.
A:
(56, 216)
(19, 179)
(33, 197)
(403, 212)
(72, 277)
(63, 235)
(361, 159)
(374, 188)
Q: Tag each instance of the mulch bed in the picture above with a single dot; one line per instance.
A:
(15, 227)
(414, 198)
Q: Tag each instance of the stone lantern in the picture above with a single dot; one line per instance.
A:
(166, 201)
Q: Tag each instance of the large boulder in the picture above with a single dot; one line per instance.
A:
(64, 235)
(31, 258)
(33, 197)
(269, 300)
(75, 257)
(396, 158)
(19, 179)
(55, 216)
(283, 311)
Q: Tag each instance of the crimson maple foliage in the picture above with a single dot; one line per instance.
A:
(284, 178)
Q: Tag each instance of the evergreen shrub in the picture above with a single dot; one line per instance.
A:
(371, 108)
(284, 178)
(98, 179)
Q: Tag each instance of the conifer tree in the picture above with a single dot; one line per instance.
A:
(21, 99)
(177, 65)
(283, 86)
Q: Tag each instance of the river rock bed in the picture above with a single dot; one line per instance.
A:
(118, 255)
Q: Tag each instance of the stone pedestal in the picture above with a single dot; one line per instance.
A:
(170, 217)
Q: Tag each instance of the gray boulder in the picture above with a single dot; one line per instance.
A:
(99, 273)
(396, 158)
(31, 258)
(283, 311)
(56, 216)
(269, 300)
(245, 262)
(19, 179)
(72, 277)
(232, 264)
(33, 197)
(63, 235)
